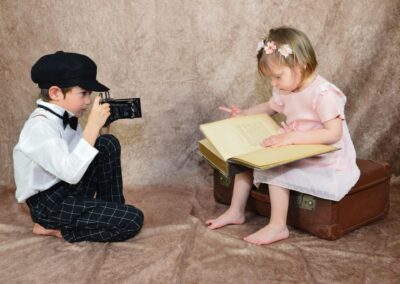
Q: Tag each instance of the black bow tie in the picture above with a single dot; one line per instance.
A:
(71, 121)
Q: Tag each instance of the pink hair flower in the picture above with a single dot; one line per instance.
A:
(285, 50)
(270, 47)
(260, 45)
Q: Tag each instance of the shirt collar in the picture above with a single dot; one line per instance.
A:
(54, 107)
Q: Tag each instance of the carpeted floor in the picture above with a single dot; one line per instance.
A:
(175, 247)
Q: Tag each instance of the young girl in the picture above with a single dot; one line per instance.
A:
(314, 110)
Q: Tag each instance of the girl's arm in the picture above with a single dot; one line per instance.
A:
(260, 108)
(257, 109)
(331, 133)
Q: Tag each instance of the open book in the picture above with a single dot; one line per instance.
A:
(233, 144)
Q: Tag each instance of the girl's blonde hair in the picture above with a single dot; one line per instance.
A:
(302, 53)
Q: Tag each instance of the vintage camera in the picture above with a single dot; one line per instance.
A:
(121, 108)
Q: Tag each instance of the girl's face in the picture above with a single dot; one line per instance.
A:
(283, 77)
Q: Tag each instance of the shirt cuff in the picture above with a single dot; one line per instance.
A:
(85, 151)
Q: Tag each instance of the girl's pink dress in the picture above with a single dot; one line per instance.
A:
(328, 176)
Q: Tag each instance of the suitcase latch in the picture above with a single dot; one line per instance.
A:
(225, 181)
(306, 202)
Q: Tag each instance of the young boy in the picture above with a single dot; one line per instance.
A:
(71, 179)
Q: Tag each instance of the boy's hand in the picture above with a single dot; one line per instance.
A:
(98, 114)
(233, 111)
(97, 118)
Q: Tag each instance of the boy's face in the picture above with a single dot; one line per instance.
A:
(77, 100)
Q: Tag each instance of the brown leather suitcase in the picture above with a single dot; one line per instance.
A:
(367, 201)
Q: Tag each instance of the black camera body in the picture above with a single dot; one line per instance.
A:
(121, 108)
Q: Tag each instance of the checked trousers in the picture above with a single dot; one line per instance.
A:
(93, 209)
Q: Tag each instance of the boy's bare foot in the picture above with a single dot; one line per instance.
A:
(269, 234)
(39, 230)
(227, 218)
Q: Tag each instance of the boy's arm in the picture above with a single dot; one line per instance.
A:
(44, 146)
(105, 130)
(97, 118)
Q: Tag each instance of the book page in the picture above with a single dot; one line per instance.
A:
(239, 135)
(211, 155)
(208, 152)
(266, 158)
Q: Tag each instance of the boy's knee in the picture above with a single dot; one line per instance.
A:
(136, 221)
(108, 143)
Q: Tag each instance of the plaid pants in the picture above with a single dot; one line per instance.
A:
(93, 209)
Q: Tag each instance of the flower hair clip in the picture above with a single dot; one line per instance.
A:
(285, 50)
(270, 47)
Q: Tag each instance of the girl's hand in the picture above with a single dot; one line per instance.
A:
(286, 128)
(233, 111)
(278, 140)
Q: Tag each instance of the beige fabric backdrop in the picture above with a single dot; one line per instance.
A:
(184, 58)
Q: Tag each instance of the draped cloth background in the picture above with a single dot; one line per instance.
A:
(183, 59)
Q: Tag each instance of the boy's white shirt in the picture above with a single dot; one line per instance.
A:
(47, 153)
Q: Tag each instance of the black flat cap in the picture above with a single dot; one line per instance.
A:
(65, 69)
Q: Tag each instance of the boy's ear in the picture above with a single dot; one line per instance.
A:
(55, 93)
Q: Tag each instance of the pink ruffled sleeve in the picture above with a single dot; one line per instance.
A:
(276, 102)
(330, 104)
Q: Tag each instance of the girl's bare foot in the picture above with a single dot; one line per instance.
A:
(227, 218)
(269, 234)
(39, 230)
